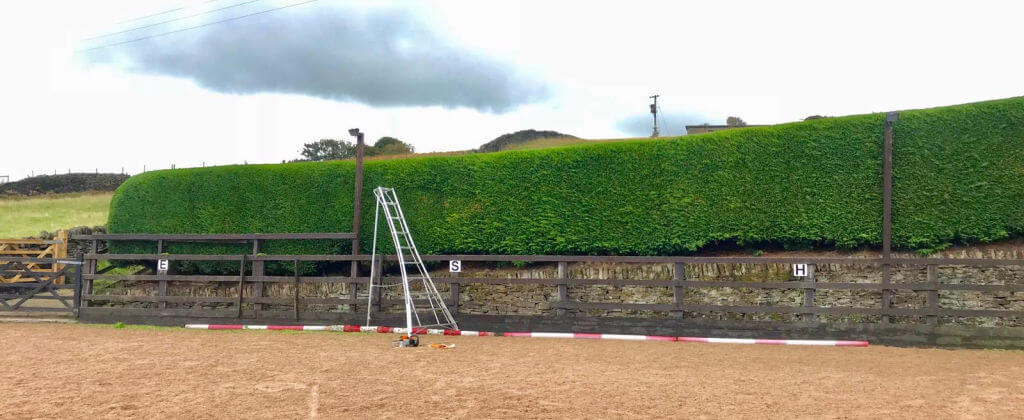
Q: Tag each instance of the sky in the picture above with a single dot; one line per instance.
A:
(112, 85)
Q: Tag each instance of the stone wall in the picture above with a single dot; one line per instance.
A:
(481, 299)
(538, 300)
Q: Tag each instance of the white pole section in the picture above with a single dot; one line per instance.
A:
(373, 264)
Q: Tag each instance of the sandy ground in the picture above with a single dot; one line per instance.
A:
(87, 371)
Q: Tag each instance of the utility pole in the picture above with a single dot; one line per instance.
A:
(654, 112)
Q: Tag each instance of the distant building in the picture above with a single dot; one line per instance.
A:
(708, 128)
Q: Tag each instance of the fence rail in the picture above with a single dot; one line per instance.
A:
(254, 275)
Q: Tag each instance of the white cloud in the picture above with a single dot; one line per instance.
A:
(767, 62)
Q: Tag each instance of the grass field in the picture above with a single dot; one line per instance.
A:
(100, 371)
(27, 216)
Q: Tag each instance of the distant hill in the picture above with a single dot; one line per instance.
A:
(505, 141)
(63, 183)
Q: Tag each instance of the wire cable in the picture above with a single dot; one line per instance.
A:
(172, 20)
(193, 27)
(152, 15)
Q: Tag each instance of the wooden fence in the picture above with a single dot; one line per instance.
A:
(256, 277)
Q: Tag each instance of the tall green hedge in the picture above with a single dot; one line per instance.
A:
(959, 175)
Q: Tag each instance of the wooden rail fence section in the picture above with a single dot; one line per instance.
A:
(256, 276)
(34, 248)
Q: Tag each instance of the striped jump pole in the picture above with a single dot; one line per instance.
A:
(591, 336)
(826, 343)
(342, 328)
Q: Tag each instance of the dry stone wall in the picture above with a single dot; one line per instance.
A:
(539, 300)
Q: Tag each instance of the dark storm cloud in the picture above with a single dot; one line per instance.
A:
(382, 57)
(639, 125)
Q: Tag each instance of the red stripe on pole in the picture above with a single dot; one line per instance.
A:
(516, 334)
(383, 329)
(351, 328)
(285, 327)
(586, 335)
(419, 330)
(851, 343)
(452, 332)
(225, 327)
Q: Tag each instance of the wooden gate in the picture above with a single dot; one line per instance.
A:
(34, 248)
(44, 288)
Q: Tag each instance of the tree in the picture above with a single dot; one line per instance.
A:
(328, 149)
(735, 122)
(814, 117)
(389, 146)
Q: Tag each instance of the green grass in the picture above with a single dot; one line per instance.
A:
(28, 216)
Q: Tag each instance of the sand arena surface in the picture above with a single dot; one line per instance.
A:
(62, 371)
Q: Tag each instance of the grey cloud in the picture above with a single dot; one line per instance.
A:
(669, 124)
(381, 57)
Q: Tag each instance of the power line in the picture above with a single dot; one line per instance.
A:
(194, 27)
(149, 16)
(172, 20)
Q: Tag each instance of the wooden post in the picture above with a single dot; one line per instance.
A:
(678, 275)
(380, 275)
(809, 294)
(90, 268)
(60, 251)
(563, 289)
(78, 285)
(258, 270)
(933, 294)
(455, 294)
(353, 293)
(357, 213)
(890, 118)
(161, 288)
(295, 267)
(241, 284)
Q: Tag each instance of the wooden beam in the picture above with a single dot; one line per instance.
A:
(679, 276)
(258, 270)
(933, 295)
(295, 268)
(563, 289)
(809, 295)
(241, 284)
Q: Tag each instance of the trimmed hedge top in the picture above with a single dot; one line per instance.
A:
(959, 175)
